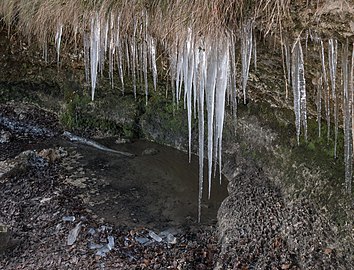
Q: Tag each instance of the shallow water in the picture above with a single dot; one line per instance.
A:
(148, 190)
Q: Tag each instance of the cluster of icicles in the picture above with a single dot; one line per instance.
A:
(326, 91)
(203, 70)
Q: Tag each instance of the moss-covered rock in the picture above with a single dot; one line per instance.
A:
(165, 122)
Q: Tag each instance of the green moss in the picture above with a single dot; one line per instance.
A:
(80, 115)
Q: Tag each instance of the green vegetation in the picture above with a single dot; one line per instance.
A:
(84, 116)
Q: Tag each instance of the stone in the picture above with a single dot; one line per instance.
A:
(16, 165)
(5, 136)
(150, 152)
(50, 154)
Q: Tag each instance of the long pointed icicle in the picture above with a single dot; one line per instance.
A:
(133, 58)
(153, 61)
(296, 90)
(246, 53)
(58, 36)
(188, 70)
(120, 58)
(302, 85)
(94, 51)
(145, 56)
(201, 83)
(347, 120)
(179, 73)
(332, 63)
(223, 70)
(319, 103)
(326, 91)
(299, 90)
(210, 102)
(111, 51)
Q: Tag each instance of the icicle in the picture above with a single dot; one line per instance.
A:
(195, 81)
(302, 85)
(120, 59)
(111, 53)
(210, 102)
(153, 61)
(179, 74)
(223, 68)
(246, 52)
(296, 91)
(144, 48)
(134, 58)
(201, 79)
(332, 61)
(58, 36)
(145, 56)
(140, 59)
(188, 70)
(94, 52)
(319, 104)
(347, 120)
(326, 91)
(299, 90)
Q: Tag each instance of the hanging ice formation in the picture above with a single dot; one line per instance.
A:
(299, 89)
(246, 53)
(347, 128)
(326, 91)
(94, 51)
(319, 104)
(201, 77)
(332, 63)
(58, 36)
(203, 66)
(105, 40)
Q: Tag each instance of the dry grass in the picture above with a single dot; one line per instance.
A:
(40, 18)
(165, 18)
